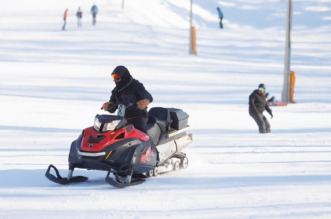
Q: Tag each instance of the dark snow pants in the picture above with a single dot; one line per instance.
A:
(221, 23)
(64, 25)
(139, 123)
(261, 121)
(94, 19)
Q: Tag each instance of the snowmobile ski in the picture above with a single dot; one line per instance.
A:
(122, 183)
(59, 179)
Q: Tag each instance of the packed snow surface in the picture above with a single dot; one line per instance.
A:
(54, 82)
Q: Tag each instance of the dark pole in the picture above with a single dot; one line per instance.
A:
(287, 63)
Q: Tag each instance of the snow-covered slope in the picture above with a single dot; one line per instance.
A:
(53, 82)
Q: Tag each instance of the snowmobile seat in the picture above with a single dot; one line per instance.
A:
(153, 129)
(162, 116)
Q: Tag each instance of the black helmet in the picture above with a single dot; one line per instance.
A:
(262, 87)
(123, 73)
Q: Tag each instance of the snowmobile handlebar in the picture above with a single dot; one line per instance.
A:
(120, 109)
(124, 103)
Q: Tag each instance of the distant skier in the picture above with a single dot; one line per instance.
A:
(257, 104)
(94, 12)
(79, 16)
(220, 15)
(65, 15)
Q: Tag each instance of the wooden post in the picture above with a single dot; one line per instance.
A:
(292, 85)
(190, 49)
(194, 40)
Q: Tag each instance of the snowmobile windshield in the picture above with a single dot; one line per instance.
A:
(104, 123)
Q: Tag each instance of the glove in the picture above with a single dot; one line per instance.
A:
(105, 106)
(142, 104)
(272, 116)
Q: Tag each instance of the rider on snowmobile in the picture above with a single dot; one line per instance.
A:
(133, 95)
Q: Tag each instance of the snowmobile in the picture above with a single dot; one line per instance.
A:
(128, 154)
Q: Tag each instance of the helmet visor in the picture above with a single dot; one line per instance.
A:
(116, 77)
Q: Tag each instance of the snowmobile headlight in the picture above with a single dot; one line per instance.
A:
(97, 124)
(110, 126)
(104, 123)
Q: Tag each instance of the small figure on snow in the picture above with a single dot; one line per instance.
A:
(257, 104)
(220, 15)
(65, 15)
(94, 12)
(270, 100)
(79, 16)
(273, 102)
(132, 93)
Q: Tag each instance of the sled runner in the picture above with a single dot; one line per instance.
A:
(277, 103)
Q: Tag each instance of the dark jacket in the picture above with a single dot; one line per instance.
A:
(79, 14)
(258, 103)
(128, 92)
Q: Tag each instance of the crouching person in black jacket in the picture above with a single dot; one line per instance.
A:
(257, 104)
(133, 95)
